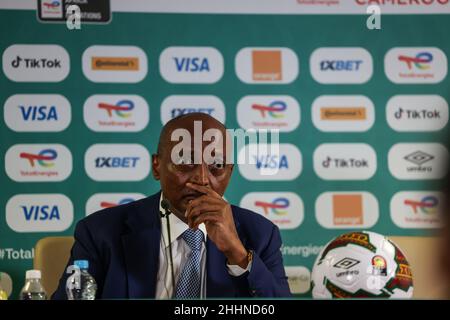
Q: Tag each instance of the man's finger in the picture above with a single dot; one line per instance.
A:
(197, 201)
(206, 217)
(203, 189)
(200, 209)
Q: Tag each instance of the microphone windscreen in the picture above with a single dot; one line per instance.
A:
(165, 204)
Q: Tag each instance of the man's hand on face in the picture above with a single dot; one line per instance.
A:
(211, 209)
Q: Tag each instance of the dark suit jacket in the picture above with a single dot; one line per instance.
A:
(122, 245)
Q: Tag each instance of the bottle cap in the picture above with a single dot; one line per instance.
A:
(82, 264)
(33, 274)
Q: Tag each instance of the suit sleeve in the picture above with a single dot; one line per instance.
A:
(83, 249)
(267, 277)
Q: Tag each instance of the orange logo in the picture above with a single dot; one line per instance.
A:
(347, 209)
(343, 113)
(266, 65)
(115, 63)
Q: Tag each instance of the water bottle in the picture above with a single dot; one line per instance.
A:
(81, 285)
(33, 289)
(3, 294)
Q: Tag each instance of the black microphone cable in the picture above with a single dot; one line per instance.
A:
(166, 205)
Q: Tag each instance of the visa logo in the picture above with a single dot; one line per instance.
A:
(41, 213)
(116, 162)
(195, 64)
(38, 113)
(271, 162)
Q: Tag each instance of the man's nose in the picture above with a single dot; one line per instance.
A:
(201, 174)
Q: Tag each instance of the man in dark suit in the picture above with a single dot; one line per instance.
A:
(185, 241)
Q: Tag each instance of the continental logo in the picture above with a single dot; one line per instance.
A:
(343, 113)
(357, 238)
(115, 63)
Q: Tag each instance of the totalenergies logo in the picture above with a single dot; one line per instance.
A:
(121, 108)
(274, 109)
(44, 157)
(421, 60)
(276, 206)
(428, 205)
(107, 204)
(51, 5)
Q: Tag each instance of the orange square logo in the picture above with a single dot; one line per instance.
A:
(266, 65)
(347, 209)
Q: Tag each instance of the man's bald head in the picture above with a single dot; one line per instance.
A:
(190, 158)
(186, 121)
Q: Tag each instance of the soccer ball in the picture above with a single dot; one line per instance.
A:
(361, 265)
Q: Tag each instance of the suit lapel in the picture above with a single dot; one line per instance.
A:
(141, 247)
(216, 271)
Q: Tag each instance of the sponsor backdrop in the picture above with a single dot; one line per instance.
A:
(362, 114)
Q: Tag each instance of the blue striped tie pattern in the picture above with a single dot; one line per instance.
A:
(188, 285)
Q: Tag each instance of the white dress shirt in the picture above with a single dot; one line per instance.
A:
(180, 253)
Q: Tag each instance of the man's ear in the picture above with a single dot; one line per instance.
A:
(156, 165)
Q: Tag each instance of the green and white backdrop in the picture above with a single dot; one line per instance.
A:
(362, 113)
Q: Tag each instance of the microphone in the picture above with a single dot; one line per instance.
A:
(165, 205)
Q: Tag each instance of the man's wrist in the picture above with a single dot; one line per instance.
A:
(240, 258)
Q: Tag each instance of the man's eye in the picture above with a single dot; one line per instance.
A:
(182, 161)
(217, 165)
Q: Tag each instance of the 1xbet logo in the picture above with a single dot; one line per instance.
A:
(340, 65)
(116, 162)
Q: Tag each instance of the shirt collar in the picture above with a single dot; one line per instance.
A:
(177, 226)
